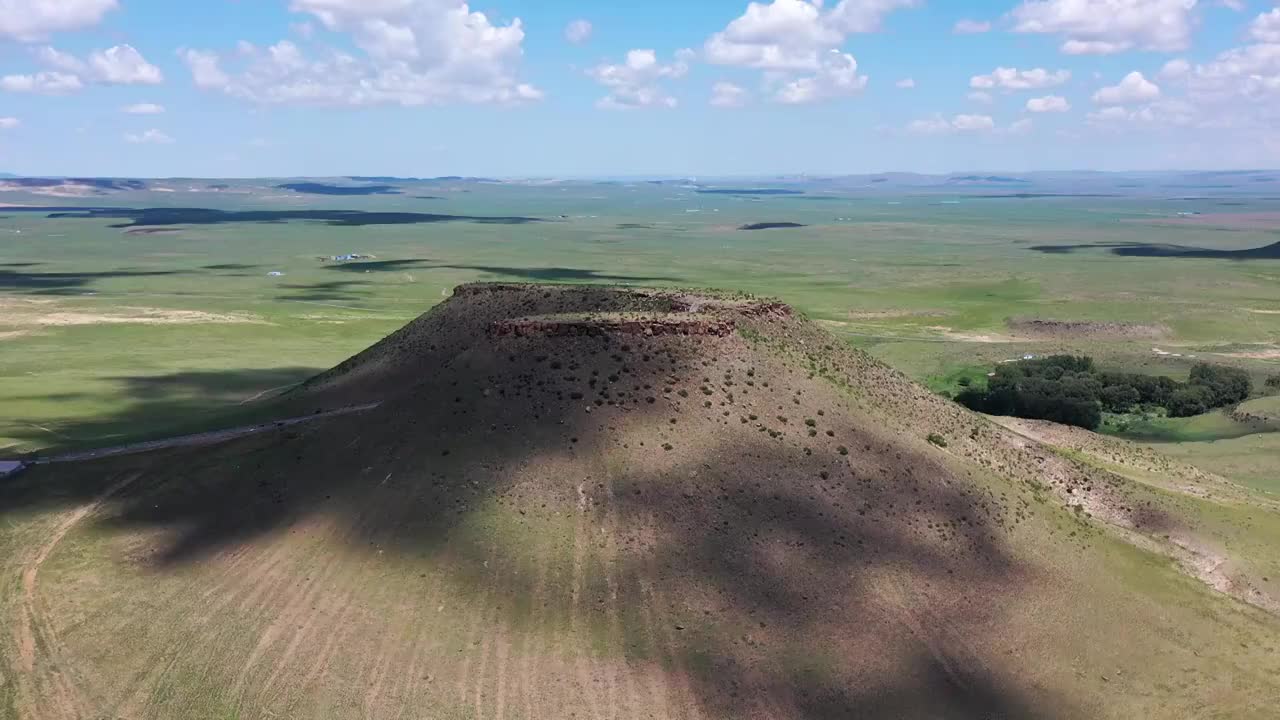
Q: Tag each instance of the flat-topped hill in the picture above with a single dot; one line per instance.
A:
(597, 502)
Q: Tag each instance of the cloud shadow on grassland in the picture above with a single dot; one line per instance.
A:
(54, 283)
(1158, 250)
(156, 405)
(140, 217)
(558, 274)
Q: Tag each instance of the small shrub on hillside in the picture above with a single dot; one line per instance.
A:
(938, 440)
(1273, 382)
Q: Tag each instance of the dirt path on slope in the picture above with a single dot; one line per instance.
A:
(61, 698)
(207, 438)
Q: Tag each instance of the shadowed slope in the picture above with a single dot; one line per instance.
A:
(602, 503)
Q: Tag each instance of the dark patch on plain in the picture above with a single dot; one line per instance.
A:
(139, 217)
(749, 191)
(57, 283)
(1033, 196)
(379, 265)
(988, 179)
(557, 274)
(772, 226)
(330, 291)
(229, 266)
(1156, 250)
(309, 188)
(95, 183)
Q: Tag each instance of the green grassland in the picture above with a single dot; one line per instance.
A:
(925, 286)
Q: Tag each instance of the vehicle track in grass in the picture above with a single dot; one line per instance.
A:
(39, 649)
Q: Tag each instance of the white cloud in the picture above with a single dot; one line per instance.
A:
(578, 32)
(980, 96)
(728, 95)
(797, 44)
(782, 35)
(1176, 69)
(9, 123)
(1019, 127)
(123, 65)
(1102, 27)
(149, 137)
(32, 20)
(837, 77)
(1134, 88)
(143, 109)
(59, 60)
(1266, 27)
(905, 83)
(119, 65)
(971, 27)
(973, 123)
(414, 52)
(792, 35)
(1048, 104)
(45, 83)
(865, 16)
(938, 125)
(1008, 79)
(206, 70)
(634, 82)
(1238, 92)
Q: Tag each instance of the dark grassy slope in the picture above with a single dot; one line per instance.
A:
(700, 498)
(150, 217)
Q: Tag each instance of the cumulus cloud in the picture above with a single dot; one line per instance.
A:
(1048, 104)
(980, 96)
(32, 20)
(9, 123)
(1009, 79)
(792, 35)
(149, 137)
(905, 83)
(119, 65)
(143, 109)
(1266, 27)
(1103, 27)
(728, 95)
(782, 35)
(1019, 127)
(1134, 88)
(578, 32)
(412, 52)
(634, 83)
(123, 65)
(938, 125)
(865, 16)
(971, 27)
(836, 77)
(1237, 91)
(797, 44)
(1175, 69)
(44, 83)
(206, 69)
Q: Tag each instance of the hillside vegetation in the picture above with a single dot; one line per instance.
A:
(1073, 391)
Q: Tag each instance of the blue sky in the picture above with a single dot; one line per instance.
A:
(521, 88)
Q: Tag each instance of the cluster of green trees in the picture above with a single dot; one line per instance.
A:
(1072, 391)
